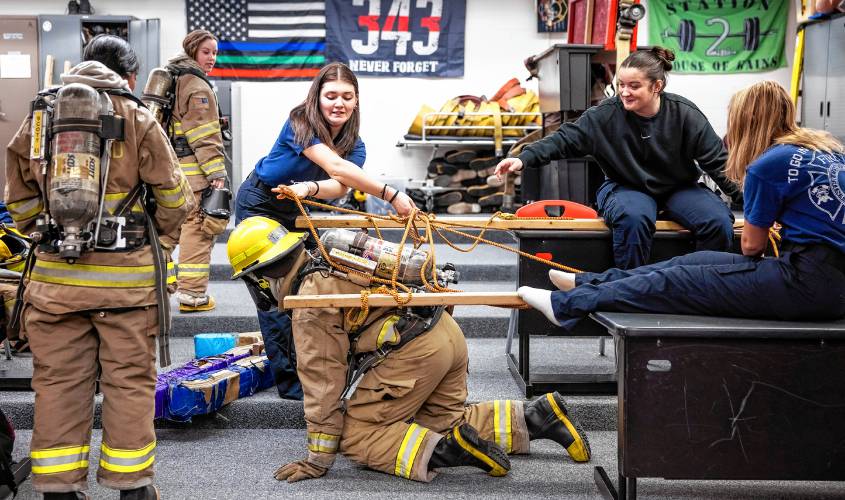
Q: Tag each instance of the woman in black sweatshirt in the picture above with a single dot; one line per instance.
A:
(651, 146)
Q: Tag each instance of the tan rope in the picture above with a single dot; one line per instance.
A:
(431, 225)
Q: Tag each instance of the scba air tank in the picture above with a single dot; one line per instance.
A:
(157, 93)
(383, 253)
(75, 167)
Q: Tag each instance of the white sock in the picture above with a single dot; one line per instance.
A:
(540, 300)
(563, 281)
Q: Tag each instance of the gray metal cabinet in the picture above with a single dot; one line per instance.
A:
(835, 115)
(63, 38)
(823, 94)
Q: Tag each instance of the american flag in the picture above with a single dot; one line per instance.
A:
(263, 39)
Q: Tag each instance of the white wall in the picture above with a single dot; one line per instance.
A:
(711, 93)
(499, 35)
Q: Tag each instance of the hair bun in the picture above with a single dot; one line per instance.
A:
(666, 56)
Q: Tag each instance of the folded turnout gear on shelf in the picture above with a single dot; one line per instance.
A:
(204, 385)
(472, 116)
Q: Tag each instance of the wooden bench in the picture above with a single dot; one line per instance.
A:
(721, 398)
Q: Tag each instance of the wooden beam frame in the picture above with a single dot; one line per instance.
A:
(464, 223)
(496, 299)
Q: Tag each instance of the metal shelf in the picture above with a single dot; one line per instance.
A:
(427, 143)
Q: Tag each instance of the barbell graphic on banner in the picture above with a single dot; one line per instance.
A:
(687, 35)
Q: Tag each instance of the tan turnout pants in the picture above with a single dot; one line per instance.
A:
(194, 251)
(402, 406)
(69, 352)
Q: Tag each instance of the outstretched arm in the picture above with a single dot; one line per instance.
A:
(346, 174)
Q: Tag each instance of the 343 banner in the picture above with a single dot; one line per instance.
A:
(721, 36)
(397, 37)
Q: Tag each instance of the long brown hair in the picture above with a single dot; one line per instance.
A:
(307, 120)
(763, 115)
(654, 63)
(192, 41)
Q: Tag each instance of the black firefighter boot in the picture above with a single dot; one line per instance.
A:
(68, 495)
(546, 418)
(148, 492)
(461, 446)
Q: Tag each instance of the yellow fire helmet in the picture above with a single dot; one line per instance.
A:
(14, 248)
(258, 242)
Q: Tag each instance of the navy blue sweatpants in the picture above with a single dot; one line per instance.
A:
(632, 214)
(795, 286)
(254, 198)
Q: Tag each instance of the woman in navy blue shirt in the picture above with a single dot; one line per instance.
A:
(318, 154)
(792, 176)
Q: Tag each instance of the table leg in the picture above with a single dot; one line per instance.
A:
(631, 487)
(604, 484)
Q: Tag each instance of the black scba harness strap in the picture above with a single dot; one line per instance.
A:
(180, 144)
(413, 323)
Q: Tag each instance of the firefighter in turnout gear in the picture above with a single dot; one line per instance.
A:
(92, 308)
(403, 408)
(194, 128)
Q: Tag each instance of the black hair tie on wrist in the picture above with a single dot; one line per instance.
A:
(383, 188)
(395, 194)
(318, 188)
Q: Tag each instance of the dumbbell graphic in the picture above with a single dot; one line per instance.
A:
(687, 35)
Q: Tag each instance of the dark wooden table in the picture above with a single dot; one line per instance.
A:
(722, 398)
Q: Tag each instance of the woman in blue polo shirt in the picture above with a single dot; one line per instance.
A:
(318, 154)
(792, 176)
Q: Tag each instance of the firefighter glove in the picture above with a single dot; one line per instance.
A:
(297, 471)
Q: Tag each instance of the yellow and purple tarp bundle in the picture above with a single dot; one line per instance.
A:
(205, 385)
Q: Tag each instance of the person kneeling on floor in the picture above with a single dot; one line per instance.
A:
(406, 415)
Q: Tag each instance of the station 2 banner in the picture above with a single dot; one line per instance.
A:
(397, 38)
(721, 36)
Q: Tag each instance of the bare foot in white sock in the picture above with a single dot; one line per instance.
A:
(563, 281)
(540, 300)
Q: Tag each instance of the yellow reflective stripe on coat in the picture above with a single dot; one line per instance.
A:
(53, 460)
(117, 460)
(414, 438)
(99, 276)
(319, 442)
(191, 168)
(502, 431)
(387, 334)
(202, 131)
(213, 165)
(176, 128)
(192, 270)
(169, 197)
(114, 199)
(25, 209)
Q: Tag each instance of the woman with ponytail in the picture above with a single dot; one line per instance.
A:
(194, 131)
(651, 146)
(790, 175)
